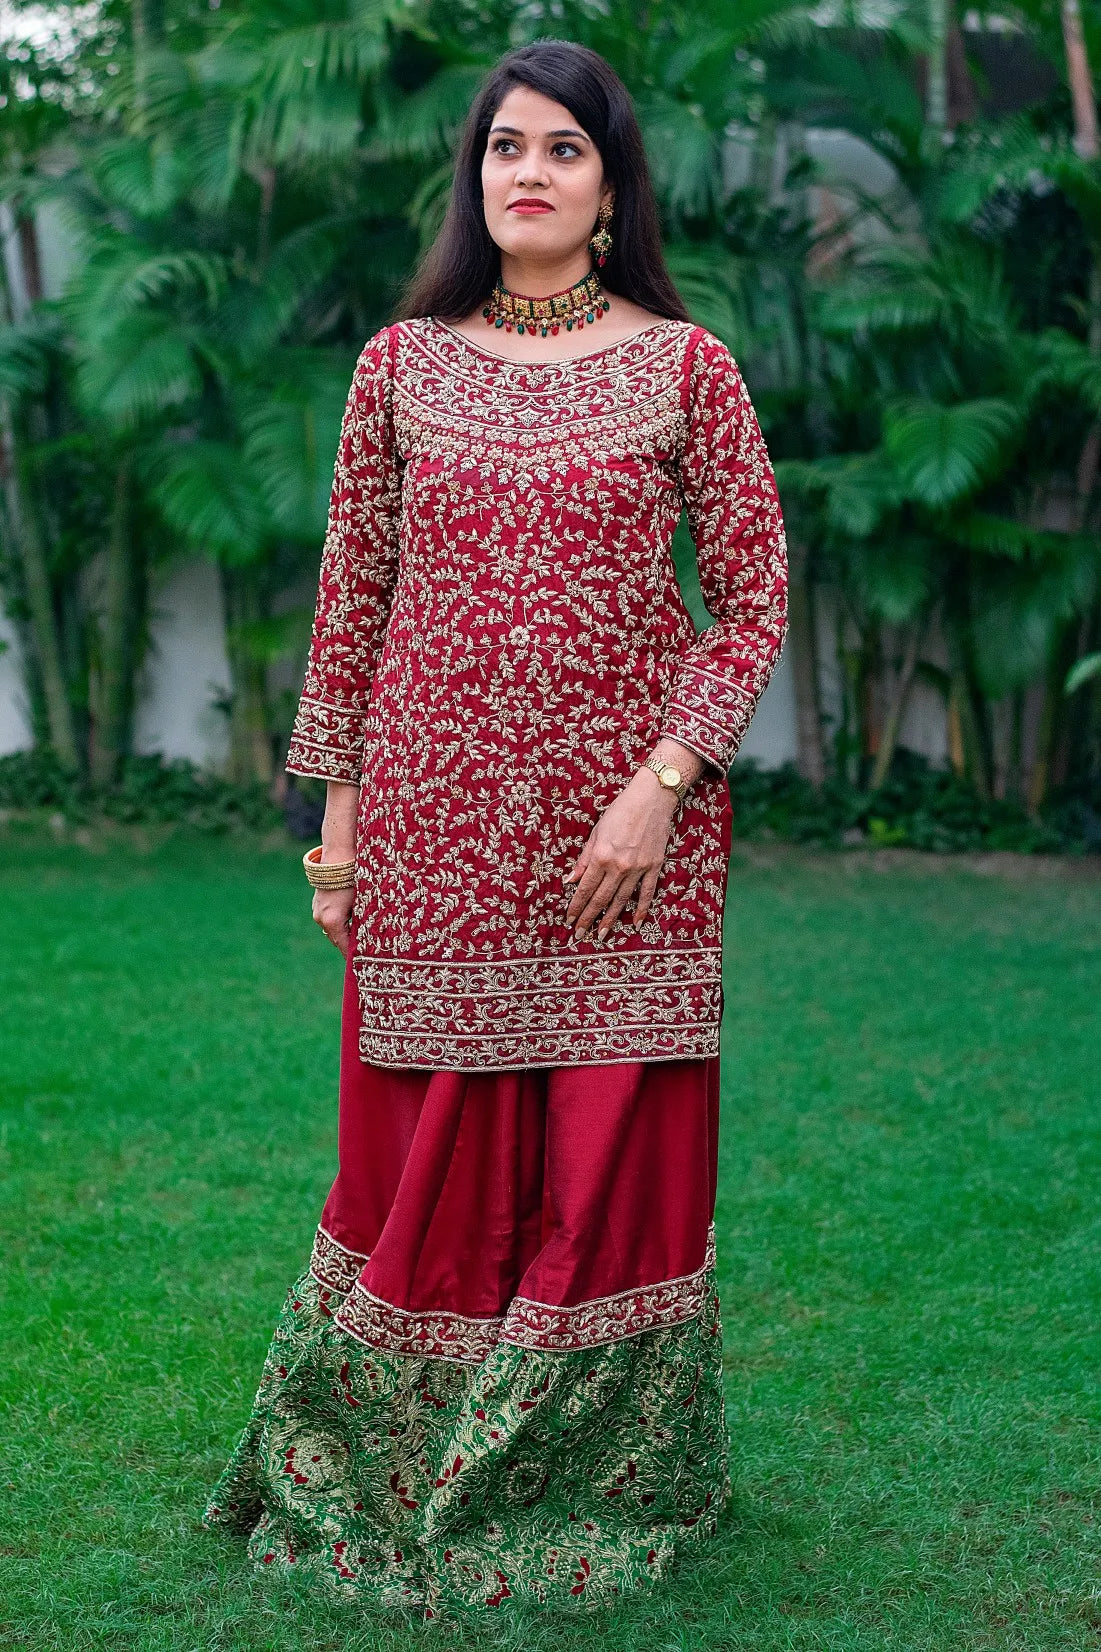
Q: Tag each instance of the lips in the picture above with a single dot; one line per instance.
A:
(530, 206)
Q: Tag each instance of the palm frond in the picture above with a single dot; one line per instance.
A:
(1022, 608)
(684, 155)
(256, 313)
(213, 147)
(893, 289)
(711, 281)
(146, 178)
(122, 277)
(894, 577)
(297, 62)
(860, 492)
(1081, 672)
(1017, 157)
(145, 367)
(422, 124)
(325, 122)
(1005, 536)
(206, 492)
(26, 348)
(1066, 363)
(291, 432)
(944, 454)
(182, 274)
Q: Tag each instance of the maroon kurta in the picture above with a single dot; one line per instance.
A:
(499, 640)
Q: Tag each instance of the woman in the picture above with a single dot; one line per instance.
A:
(501, 1377)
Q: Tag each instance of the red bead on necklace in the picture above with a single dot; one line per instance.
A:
(573, 306)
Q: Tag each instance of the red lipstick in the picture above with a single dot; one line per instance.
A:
(527, 203)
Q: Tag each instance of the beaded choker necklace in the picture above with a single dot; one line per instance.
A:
(572, 307)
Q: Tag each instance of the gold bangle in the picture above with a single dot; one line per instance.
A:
(334, 874)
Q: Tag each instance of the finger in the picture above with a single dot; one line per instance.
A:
(647, 891)
(595, 875)
(578, 868)
(598, 901)
(618, 902)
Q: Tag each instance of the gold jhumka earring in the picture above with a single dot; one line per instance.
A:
(600, 243)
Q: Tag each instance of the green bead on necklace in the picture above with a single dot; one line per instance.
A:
(572, 307)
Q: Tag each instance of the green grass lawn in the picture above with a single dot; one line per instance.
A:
(907, 1233)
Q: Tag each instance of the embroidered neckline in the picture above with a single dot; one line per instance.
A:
(562, 361)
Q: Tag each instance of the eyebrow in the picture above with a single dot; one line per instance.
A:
(562, 132)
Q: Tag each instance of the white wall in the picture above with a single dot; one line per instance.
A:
(184, 673)
(15, 727)
(186, 670)
(770, 737)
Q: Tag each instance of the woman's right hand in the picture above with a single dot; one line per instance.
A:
(332, 908)
(332, 912)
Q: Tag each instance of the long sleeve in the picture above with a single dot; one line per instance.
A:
(729, 491)
(358, 568)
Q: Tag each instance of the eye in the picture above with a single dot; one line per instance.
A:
(499, 143)
(565, 144)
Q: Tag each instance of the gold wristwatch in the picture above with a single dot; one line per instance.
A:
(669, 776)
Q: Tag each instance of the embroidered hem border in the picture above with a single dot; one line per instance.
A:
(541, 1326)
(587, 1010)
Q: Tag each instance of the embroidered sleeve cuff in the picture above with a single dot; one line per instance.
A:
(326, 743)
(710, 714)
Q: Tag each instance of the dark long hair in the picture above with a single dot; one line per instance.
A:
(458, 270)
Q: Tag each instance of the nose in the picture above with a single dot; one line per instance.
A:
(531, 174)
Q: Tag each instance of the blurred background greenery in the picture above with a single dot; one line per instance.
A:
(245, 185)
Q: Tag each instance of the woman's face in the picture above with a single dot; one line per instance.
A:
(537, 153)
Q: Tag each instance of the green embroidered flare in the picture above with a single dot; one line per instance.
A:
(449, 1487)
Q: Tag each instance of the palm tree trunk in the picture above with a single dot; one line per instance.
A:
(847, 737)
(1088, 144)
(29, 546)
(810, 758)
(897, 709)
(1039, 780)
(30, 555)
(250, 733)
(868, 697)
(954, 731)
(936, 88)
(1014, 772)
(1086, 138)
(115, 697)
(964, 706)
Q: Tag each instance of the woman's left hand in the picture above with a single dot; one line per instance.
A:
(626, 848)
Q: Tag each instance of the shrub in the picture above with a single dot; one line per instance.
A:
(920, 807)
(150, 790)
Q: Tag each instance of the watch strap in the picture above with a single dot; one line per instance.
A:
(656, 766)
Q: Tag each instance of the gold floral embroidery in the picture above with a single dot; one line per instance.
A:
(455, 1487)
(499, 641)
(439, 1333)
(333, 1264)
(603, 1004)
(610, 1318)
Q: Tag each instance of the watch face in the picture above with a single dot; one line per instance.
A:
(670, 776)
